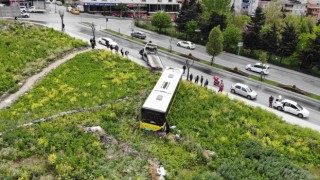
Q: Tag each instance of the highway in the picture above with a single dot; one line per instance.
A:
(78, 30)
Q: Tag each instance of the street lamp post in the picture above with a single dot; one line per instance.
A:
(61, 13)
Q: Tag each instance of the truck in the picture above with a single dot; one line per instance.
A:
(150, 54)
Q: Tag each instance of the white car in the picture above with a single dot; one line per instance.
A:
(107, 42)
(25, 15)
(243, 90)
(186, 44)
(290, 106)
(259, 68)
(23, 9)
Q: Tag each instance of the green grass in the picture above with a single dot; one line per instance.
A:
(83, 82)
(27, 48)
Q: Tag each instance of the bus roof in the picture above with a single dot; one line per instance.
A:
(162, 93)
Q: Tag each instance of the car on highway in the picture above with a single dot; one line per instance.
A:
(107, 42)
(138, 34)
(186, 44)
(23, 8)
(74, 11)
(292, 107)
(243, 90)
(259, 68)
(24, 15)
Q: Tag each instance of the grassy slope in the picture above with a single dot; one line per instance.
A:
(249, 142)
(26, 48)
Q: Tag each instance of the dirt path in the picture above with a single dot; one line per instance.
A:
(31, 81)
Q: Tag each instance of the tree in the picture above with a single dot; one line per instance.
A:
(231, 37)
(191, 26)
(121, 7)
(288, 42)
(269, 37)
(311, 56)
(214, 20)
(215, 44)
(220, 6)
(187, 14)
(251, 37)
(273, 14)
(161, 20)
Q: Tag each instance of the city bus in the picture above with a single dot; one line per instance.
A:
(155, 109)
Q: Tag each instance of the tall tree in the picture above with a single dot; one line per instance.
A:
(220, 6)
(231, 37)
(161, 20)
(251, 37)
(191, 26)
(273, 13)
(214, 20)
(187, 14)
(311, 56)
(215, 44)
(288, 42)
(269, 37)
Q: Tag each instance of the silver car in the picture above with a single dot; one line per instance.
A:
(186, 44)
(243, 90)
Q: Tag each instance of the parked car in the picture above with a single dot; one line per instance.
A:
(138, 34)
(259, 68)
(292, 107)
(74, 11)
(23, 8)
(25, 15)
(186, 44)
(243, 90)
(107, 42)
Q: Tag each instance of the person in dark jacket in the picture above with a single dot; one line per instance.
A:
(184, 68)
(270, 101)
(201, 80)
(191, 77)
(121, 51)
(197, 79)
(206, 83)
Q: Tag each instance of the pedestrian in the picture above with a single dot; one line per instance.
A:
(121, 51)
(126, 53)
(184, 68)
(116, 48)
(201, 80)
(270, 101)
(197, 79)
(92, 43)
(191, 77)
(206, 83)
(111, 47)
(221, 86)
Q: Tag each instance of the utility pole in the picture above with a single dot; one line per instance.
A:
(61, 13)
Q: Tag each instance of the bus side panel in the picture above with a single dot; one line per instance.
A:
(152, 127)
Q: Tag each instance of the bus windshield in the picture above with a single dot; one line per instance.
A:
(153, 117)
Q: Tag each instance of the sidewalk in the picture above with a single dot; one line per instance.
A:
(288, 118)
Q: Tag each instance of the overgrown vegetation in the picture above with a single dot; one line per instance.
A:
(248, 142)
(90, 79)
(26, 48)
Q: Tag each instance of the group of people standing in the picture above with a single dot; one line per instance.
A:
(196, 80)
(206, 83)
(116, 48)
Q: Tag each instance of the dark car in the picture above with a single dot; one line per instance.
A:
(138, 34)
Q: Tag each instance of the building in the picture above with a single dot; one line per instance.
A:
(245, 7)
(131, 8)
(313, 9)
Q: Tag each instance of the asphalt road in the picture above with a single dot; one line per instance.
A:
(74, 28)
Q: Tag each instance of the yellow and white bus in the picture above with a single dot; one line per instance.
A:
(155, 109)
